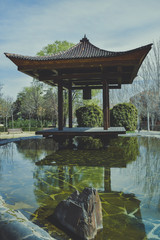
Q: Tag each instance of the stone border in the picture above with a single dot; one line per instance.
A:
(14, 225)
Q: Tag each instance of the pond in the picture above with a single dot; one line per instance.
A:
(36, 174)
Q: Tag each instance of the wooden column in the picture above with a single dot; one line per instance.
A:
(105, 105)
(70, 105)
(108, 110)
(60, 105)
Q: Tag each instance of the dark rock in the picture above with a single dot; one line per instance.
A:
(80, 214)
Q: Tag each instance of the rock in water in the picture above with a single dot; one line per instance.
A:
(81, 213)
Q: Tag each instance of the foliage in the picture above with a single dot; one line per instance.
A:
(124, 115)
(89, 143)
(89, 116)
(6, 110)
(57, 46)
(31, 100)
(50, 105)
(24, 123)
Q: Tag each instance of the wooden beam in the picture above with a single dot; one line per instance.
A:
(83, 63)
(85, 76)
(105, 105)
(60, 105)
(84, 87)
(135, 56)
(116, 86)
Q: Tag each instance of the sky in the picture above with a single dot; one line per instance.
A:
(26, 26)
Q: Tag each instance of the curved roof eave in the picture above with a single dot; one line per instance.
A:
(83, 50)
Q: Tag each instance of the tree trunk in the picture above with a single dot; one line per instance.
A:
(12, 121)
(41, 122)
(152, 120)
(6, 122)
(138, 123)
(148, 122)
(29, 123)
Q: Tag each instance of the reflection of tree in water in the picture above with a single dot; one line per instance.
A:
(119, 152)
(6, 154)
(59, 174)
(33, 148)
(147, 178)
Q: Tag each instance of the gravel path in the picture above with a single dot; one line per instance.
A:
(6, 138)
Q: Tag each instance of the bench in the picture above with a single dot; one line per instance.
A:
(15, 130)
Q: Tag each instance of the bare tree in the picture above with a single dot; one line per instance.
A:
(145, 88)
(150, 74)
(6, 109)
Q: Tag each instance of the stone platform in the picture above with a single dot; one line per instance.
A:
(82, 131)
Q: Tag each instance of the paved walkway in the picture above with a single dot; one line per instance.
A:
(144, 133)
(6, 138)
(5, 135)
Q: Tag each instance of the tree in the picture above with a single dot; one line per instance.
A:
(150, 86)
(31, 101)
(51, 105)
(6, 109)
(145, 90)
(124, 115)
(57, 46)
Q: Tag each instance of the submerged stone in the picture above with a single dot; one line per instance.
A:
(80, 214)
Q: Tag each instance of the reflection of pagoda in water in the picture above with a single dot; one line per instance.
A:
(70, 169)
(90, 153)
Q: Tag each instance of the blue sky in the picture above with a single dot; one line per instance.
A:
(26, 26)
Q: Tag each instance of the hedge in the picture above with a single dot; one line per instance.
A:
(89, 116)
(124, 115)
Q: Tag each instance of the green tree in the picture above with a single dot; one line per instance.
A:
(57, 46)
(51, 105)
(30, 102)
(124, 115)
(6, 104)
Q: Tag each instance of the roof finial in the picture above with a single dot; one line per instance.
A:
(85, 39)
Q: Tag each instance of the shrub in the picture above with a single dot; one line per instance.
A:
(27, 124)
(89, 116)
(124, 115)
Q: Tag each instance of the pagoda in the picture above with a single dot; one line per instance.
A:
(83, 67)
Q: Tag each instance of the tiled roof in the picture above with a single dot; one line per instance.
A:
(84, 49)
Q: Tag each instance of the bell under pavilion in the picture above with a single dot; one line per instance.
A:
(83, 67)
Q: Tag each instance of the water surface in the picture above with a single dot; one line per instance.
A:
(35, 175)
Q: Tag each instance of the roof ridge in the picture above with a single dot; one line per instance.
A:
(83, 49)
